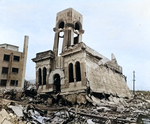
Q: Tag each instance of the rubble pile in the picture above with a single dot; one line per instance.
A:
(52, 109)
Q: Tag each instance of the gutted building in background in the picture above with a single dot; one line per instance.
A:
(12, 65)
(73, 66)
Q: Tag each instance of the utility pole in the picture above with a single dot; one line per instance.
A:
(134, 82)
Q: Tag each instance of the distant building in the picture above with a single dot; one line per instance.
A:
(77, 66)
(12, 65)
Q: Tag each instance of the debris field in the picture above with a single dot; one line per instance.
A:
(23, 108)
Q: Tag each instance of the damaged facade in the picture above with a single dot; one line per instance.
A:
(12, 65)
(78, 68)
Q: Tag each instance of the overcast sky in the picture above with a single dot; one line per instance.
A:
(121, 27)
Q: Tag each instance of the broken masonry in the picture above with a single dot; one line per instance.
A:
(112, 111)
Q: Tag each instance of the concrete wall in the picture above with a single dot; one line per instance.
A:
(10, 47)
(104, 80)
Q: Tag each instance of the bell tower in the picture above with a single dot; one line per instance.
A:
(69, 28)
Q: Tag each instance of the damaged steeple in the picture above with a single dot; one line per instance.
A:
(69, 28)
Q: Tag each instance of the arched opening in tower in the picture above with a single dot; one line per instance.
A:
(61, 25)
(76, 33)
(61, 37)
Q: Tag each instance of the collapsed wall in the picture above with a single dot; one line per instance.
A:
(105, 76)
(104, 80)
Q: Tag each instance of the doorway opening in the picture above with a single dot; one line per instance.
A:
(56, 84)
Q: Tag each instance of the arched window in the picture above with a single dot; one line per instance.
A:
(40, 77)
(44, 75)
(71, 73)
(78, 71)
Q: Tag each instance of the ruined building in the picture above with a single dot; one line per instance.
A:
(77, 67)
(12, 65)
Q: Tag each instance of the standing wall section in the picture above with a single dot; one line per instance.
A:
(73, 58)
(104, 80)
(11, 64)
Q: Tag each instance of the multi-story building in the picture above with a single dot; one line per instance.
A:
(12, 65)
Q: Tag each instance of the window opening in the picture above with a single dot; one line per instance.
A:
(40, 77)
(78, 71)
(77, 27)
(44, 75)
(15, 70)
(3, 83)
(61, 25)
(14, 83)
(56, 86)
(60, 37)
(71, 73)
(76, 33)
(6, 57)
(5, 70)
(60, 42)
(16, 58)
(76, 37)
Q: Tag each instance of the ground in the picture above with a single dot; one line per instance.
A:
(108, 110)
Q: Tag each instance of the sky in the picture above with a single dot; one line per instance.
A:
(121, 27)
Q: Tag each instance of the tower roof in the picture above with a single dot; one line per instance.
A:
(69, 16)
